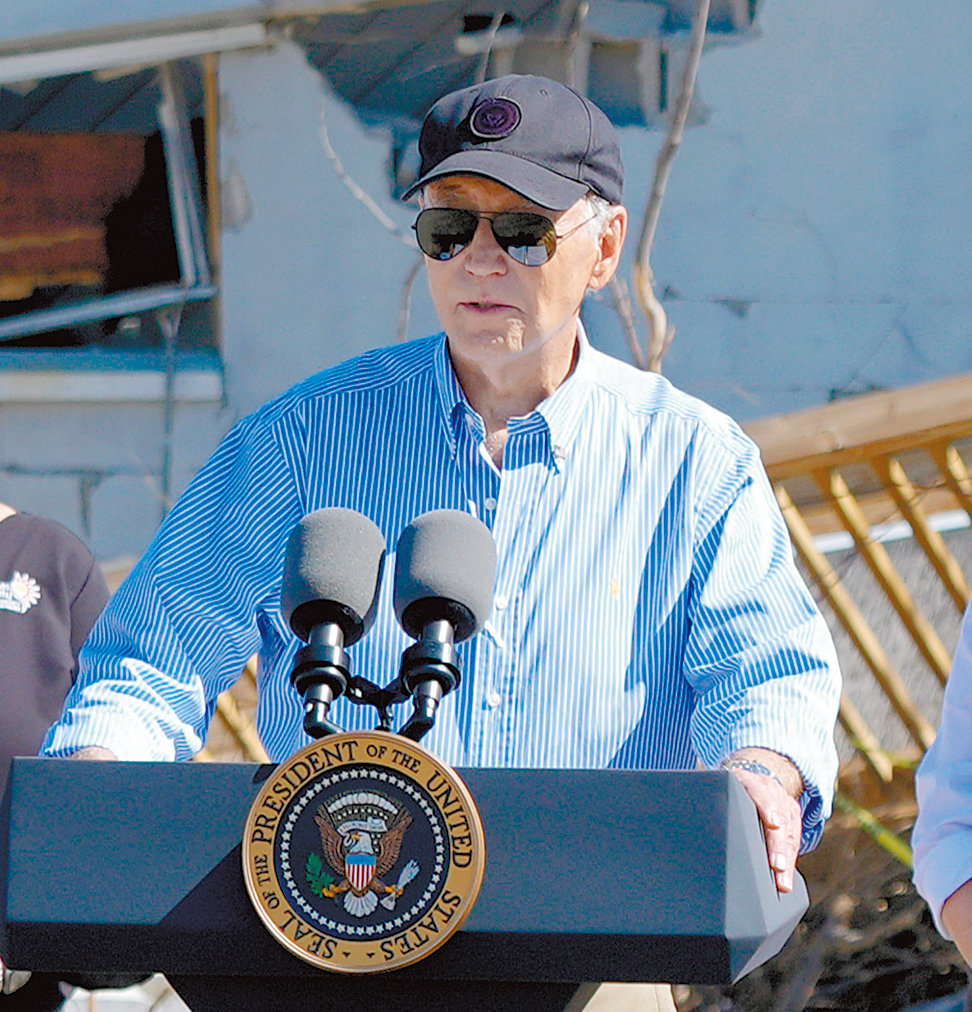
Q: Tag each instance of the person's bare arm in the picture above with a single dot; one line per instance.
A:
(957, 917)
(94, 752)
(778, 809)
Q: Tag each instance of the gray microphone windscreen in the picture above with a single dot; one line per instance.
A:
(332, 572)
(445, 567)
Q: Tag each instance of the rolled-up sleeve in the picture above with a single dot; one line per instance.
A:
(180, 628)
(760, 656)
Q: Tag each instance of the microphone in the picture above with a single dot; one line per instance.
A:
(332, 572)
(445, 567)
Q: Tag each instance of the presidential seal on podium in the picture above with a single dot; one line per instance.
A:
(363, 852)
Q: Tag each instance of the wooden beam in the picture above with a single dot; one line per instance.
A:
(929, 644)
(908, 500)
(878, 508)
(862, 635)
(854, 429)
(234, 713)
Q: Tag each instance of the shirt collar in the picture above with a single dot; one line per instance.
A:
(564, 409)
(559, 415)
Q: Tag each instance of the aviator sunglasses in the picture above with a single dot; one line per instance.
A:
(530, 239)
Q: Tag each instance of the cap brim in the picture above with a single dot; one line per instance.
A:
(537, 184)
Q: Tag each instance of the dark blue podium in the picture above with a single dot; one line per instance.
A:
(591, 875)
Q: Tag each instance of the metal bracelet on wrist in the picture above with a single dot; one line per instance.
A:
(752, 766)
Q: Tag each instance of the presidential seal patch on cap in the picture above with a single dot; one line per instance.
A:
(363, 853)
(495, 118)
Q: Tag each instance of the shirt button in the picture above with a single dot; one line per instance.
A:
(490, 503)
(493, 699)
(501, 602)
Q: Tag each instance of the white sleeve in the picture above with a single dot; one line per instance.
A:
(942, 837)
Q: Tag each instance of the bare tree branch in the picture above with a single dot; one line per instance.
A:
(676, 130)
(358, 192)
(660, 333)
(572, 39)
(494, 27)
(405, 303)
(621, 297)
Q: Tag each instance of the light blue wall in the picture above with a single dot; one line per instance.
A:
(309, 275)
(814, 237)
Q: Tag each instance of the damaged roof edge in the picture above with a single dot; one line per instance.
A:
(45, 25)
(139, 50)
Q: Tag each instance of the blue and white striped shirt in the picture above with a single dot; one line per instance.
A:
(647, 610)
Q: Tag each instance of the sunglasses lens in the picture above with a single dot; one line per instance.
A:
(443, 232)
(529, 238)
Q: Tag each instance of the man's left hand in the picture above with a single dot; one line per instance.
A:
(778, 810)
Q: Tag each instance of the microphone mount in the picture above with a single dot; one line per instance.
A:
(430, 669)
(320, 674)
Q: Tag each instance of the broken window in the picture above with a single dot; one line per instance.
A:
(103, 213)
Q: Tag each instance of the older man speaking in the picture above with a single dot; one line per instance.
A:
(647, 611)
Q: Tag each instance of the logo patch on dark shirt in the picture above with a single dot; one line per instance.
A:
(19, 594)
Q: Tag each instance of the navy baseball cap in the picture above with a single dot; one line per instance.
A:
(536, 136)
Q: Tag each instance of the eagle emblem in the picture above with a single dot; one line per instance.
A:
(361, 833)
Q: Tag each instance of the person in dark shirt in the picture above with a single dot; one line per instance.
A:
(51, 593)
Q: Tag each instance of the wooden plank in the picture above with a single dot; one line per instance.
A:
(860, 632)
(908, 500)
(842, 457)
(878, 508)
(71, 256)
(56, 191)
(241, 727)
(864, 739)
(234, 718)
(855, 428)
(929, 644)
(955, 472)
(211, 127)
